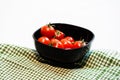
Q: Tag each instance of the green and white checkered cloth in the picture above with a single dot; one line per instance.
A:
(20, 63)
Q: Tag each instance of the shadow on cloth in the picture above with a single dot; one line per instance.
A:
(77, 64)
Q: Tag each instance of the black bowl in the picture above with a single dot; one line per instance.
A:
(61, 55)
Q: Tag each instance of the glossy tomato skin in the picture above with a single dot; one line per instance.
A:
(67, 44)
(59, 34)
(56, 43)
(69, 38)
(47, 31)
(53, 40)
(77, 44)
(44, 40)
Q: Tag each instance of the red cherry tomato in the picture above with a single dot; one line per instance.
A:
(69, 38)
(59, 34)
(44, 40)
(67, 44)
(47, 31)
(56, 43)
(78, 44)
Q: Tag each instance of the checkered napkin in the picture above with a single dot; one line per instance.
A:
(19, 63)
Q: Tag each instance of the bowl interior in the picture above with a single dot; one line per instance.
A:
(77, 32)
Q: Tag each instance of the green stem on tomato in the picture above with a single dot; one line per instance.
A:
(50, 25)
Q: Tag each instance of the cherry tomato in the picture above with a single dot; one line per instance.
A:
(78, 44)
(69, 38)
(48, 31)
(56, 43)
(59, 34)
(44, 40)
(67, 44)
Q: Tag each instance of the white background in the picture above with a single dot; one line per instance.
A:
(20, 18)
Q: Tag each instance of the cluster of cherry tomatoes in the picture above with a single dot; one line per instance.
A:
(56, 38)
